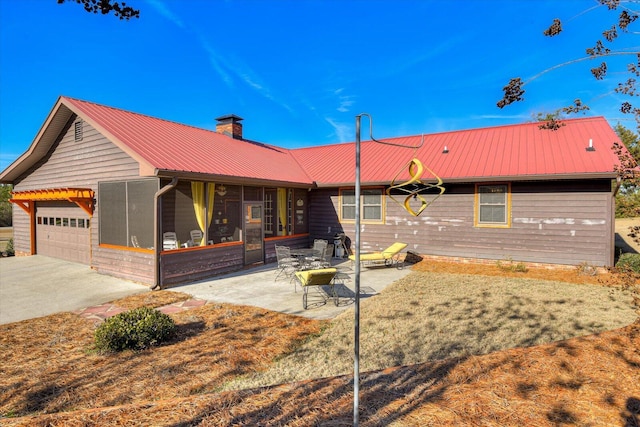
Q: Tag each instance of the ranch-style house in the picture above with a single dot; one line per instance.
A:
(103, 186)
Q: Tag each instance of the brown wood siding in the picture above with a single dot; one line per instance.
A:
(21, 231)
(555, 222)
(296, 241)
(191, 264)
(83, 163)
(127, 264)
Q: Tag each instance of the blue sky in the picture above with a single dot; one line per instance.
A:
(299, 71)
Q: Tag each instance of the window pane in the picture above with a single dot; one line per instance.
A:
(371, 199)
(112, 199)
(348, 197)
(348, 212)
(492, 214)
(371, 212)
(269, 211)
(140, 210)
(372, 204)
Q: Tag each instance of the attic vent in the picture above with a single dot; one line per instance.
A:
(78, 130)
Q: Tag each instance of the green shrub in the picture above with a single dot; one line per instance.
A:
(512, 266)
(136, 329)
(9, 249)
(629, 261)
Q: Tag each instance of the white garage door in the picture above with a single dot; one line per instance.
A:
(62, 231)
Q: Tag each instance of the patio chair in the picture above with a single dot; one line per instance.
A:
(321, 277)
(319, 247)
(287, 264)
(196, 237)
(169, 240)
(324, 261)
(388, 257)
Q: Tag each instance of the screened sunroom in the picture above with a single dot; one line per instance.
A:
(203, 228)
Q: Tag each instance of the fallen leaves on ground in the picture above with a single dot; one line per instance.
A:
(50, 371)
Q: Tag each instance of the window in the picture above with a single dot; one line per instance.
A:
(371, 204)
(126, 210)
(269, 212)
(493, 205)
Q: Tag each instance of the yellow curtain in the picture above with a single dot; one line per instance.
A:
(198, 196)
(211, 189)
(282, 209)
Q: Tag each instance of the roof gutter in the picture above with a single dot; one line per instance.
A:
(466, 180)
(233, 180)
(157, 283)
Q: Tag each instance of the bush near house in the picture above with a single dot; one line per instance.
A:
(629, 261)
(9, 251)
(134, 330)
(628, 205)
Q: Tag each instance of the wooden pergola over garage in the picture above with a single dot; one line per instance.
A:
(84, 198)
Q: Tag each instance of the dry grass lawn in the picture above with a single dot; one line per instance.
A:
(486, 347)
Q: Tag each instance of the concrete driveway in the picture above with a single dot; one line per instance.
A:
(37, 286)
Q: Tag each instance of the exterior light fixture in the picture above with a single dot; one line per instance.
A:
(221, 190)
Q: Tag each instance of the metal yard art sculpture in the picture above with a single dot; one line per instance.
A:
(415, 189)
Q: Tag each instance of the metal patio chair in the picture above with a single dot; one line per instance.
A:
(287, 263)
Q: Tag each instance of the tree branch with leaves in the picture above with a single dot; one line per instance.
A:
(105, 7)
(514, 90)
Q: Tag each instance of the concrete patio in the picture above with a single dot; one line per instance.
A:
(37, 286)
(258, 287)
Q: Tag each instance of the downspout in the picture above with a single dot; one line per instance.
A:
(156, 234)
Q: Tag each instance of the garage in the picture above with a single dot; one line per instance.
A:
(62, 231)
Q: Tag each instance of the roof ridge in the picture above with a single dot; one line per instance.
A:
(510, 125)
(140, 114)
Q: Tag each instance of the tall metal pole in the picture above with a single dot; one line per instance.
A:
(356, 341)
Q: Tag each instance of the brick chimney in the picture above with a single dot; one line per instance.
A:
(229, 125)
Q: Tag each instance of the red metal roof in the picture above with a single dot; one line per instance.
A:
(170, 146)
(522, 151)
(515, 152)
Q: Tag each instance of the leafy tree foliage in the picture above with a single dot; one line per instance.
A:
(5, 206)
(514, 91)
(105, 7)
(628, 197)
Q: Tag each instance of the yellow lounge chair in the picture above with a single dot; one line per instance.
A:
(388, 257)
(319, 277)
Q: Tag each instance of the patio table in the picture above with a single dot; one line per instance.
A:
(305, 257)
